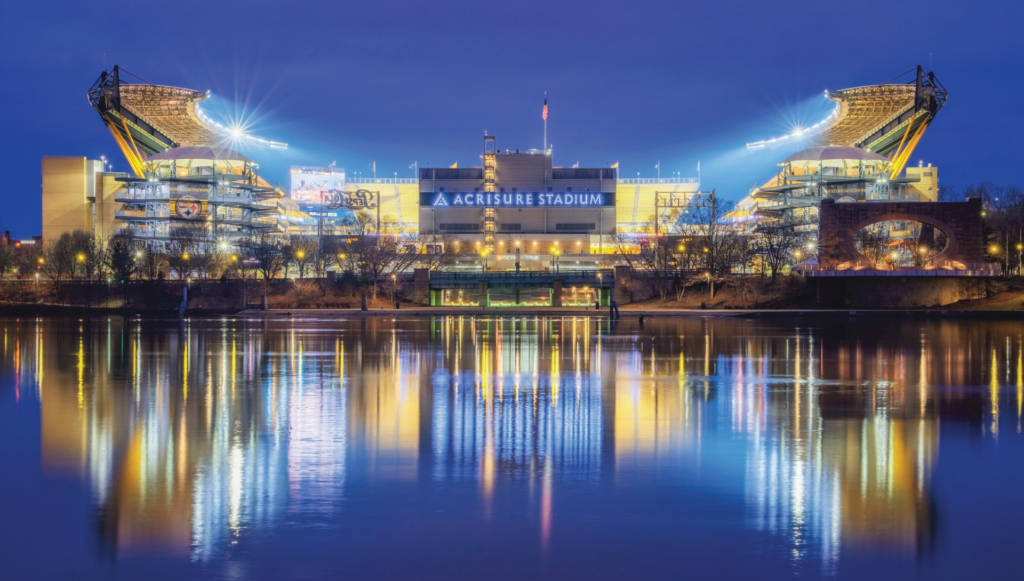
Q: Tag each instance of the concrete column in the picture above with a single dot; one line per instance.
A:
(484, 295)
(517, 297)
(619, 293)
(421, 286)
(556, 294)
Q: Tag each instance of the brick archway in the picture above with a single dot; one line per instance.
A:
(959, 221)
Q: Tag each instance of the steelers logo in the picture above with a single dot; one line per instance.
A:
(188, 207)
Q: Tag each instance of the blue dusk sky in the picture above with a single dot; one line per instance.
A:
(401, 82)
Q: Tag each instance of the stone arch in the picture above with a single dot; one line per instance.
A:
(959, 221)
(951, 248)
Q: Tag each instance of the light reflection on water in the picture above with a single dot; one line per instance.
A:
(194, 437)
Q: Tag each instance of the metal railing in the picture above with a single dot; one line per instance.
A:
(524, 275)
(641, 181)
(953, 269)
(381, 181)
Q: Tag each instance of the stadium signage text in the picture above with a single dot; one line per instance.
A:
(583, 199)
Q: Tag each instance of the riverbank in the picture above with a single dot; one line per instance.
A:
(623, 313)
(997, 310)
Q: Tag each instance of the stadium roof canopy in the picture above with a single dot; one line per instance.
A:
(147, 119)
(877, 117)
(833, 153)
(201, 152)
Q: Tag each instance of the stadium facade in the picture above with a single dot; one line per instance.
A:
(517, 199)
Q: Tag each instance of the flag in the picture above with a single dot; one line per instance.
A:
(698, 165)
(375, 166)
(412, 165)
(576, 165)
(615, 165)
(657, 165)
(545, 114)
(454, 165)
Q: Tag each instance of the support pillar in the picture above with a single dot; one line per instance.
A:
(556, 294)
(517, 297)
(421, 286)
(484, 294)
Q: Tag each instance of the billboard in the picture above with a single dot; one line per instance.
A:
(309, 184)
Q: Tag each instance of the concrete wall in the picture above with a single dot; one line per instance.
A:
(68, 183)
(911, 292)
(107, 186)
(78, 195)
(928, 187)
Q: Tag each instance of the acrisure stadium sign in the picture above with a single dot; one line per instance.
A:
(522, 200)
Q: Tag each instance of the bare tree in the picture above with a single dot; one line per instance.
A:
(776, 240)
(184, 247)
(375, 257)
(7, 258)
(873, 242)
(265, 252)
(722, 246)
(301, 251)
(58, 258)
(438, 252)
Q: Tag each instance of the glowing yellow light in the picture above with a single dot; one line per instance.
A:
(185, 256)
(81, 258)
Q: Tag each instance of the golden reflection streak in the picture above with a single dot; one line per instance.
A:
(81, 370)
(994, 393)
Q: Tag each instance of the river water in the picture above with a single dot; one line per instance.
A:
(510, 448)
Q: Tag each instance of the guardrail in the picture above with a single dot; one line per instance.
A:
(982, 269)
(524, 275)
(361, 181)
(641, 181)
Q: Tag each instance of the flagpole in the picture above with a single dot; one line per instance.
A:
(545, 122)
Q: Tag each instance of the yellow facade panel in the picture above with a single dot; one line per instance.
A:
(66, 206)
(928, 187)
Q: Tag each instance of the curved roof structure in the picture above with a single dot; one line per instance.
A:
(874, 117)
(833, 152)
(172, 111)
(863, 111)
(213, 153)
(147, 119)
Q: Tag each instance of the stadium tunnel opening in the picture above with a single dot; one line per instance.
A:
(900, 243)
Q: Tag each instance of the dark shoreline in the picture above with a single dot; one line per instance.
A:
(24, 310)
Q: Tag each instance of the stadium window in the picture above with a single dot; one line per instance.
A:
(551, 189)
(574, 226)
(568, 189)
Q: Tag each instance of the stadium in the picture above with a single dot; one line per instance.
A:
(859, 153)
(517, 210)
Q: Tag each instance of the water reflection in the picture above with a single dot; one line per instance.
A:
(193, 435)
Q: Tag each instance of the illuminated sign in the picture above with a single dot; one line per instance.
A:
(310, 185)
(521, 200)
